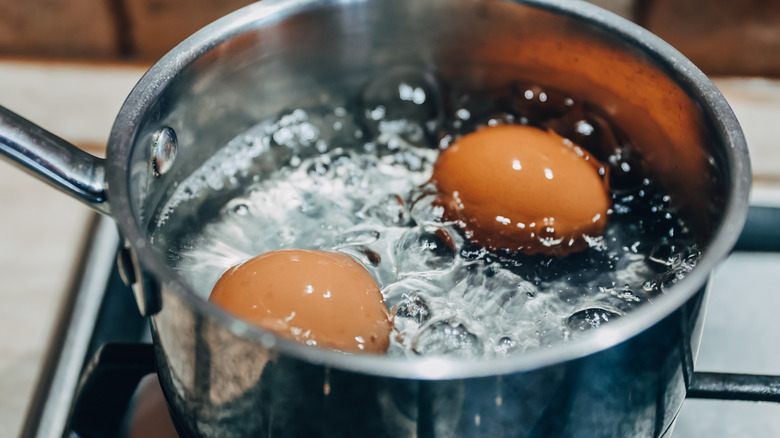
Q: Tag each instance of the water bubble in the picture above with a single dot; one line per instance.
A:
(665, 254)
(372, 256)
(424, 208)
(413, 307)
(311, 206)
(625, 293)
(672, 277)
(295, 131)
(676, 260)
(398, 291)
(623, 179)
(500, 119)
(319, 167)
(409, 301)
(425, 248)
(365, 255)
(651, 285)
(358, 237)
(467, 112)
(250, 140)
(584, 128)
(445, 139)
(411, 160)
(377, 113)
(590, 318)
(314, 130)
(238, 207)
(286, 236)
(397, 133)
(401, 102)
(463, 114)
(538, 104)
(390, 210)
(349, 168)
(448, 337)
(405, 93)
(506, 345)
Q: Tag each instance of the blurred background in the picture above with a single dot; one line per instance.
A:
(730, 37)
(68, 65)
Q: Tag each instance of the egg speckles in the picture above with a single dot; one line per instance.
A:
(523, 189)
(315, 297)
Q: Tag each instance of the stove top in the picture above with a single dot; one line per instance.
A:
(740, 336)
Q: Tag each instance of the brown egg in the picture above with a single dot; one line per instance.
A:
(315, 297)
(523, 189)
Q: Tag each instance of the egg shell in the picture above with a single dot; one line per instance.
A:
(318, 298)
(523, 189)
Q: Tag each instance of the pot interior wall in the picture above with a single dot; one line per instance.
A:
(277, 61)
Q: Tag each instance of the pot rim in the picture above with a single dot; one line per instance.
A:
(688, 76)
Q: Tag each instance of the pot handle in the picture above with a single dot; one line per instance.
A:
(107, 384)
(53, 160)
(760, 234)
(727, 386)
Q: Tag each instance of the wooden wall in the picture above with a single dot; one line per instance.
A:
(724, 37)
(141, 30)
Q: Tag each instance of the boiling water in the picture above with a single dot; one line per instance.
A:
(355, 181)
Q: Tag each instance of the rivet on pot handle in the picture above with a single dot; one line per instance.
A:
(53, 160)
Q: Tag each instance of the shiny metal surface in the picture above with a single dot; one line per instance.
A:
(735, 387)
(223, 385)
(53, 160)
(224, 377)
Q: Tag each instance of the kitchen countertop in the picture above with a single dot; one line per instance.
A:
(41, 229)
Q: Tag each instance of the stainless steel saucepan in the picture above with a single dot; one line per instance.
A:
(226, 378)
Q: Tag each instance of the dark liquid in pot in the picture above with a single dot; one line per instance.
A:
(355, 179)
